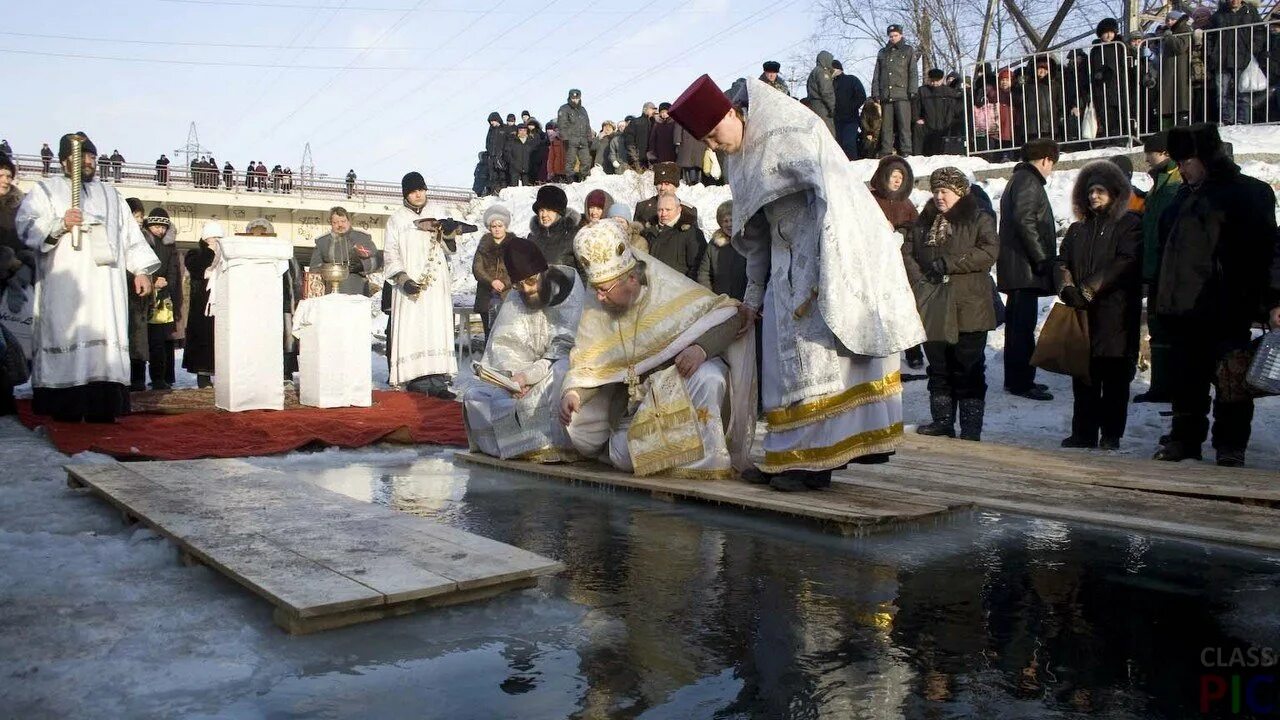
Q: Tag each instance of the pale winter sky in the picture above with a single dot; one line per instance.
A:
(382, 86)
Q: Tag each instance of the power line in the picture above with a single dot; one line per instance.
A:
(180, 43)
(449, 11)
(209, 63)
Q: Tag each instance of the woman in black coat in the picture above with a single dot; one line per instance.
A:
(197, 357)
(955, 243)
(1100, 272)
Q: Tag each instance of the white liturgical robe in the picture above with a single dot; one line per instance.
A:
(422, 325)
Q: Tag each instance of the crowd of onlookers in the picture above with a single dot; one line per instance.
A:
(1203, 66)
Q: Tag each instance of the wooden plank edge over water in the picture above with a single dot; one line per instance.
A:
(849, 511)
(324, 560)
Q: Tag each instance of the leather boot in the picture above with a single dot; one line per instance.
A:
(971, 412)
(943, 408)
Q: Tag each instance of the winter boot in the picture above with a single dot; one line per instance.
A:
(971, 412)
(1109, 443)
(1177, 451)
(816, 480)
(1077, 441)
(943, 408)
(1231, 457)
(789, 482)
(756, 476)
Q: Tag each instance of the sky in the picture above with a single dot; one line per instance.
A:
(379, 86)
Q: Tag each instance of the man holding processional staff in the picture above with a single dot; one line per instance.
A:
(86, 239)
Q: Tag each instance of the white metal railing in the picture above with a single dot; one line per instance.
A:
(177, 175)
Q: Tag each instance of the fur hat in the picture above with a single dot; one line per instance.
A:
(773, 66)
(666, 172)
(1157, 143)
(1197, 141)
(604, 251)
(1040, 149)
(894, 28)
(701, 107)
(157, 216)
(1109, 176)
(1108, 25)
(949, 178)
(64, 146)
(936, 74)
(497, 212)
(522, 258)
(410, 182)
(551, 197)
(575, 94)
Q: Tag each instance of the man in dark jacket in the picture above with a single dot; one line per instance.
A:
(495, 144)
(1229, 53)
(662, 136)
(666, 178)
(575, 129)
(1110, 78)
(1024, 271)
(1039, 100)
(1099, 272)
(850, 95)
(820, 94)
(1217, 247)
(771, 77)
(1165, 183)
(351, 182)
(554, 225)
(46, 158)
(520, 157)
(894, 86)
(345, 245)
(939, 105)
(678, 244)
(229, 176)
(637, 135)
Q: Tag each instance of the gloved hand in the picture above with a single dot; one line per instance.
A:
(1073, 297)
(411, 288)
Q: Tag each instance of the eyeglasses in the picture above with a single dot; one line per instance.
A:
(606, 291)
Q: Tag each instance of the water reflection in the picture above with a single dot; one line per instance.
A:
(689, 611)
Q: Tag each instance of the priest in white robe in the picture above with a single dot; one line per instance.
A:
(529, 344)
(823, 271)
(662, 375)
(416, 253)
(80, 338)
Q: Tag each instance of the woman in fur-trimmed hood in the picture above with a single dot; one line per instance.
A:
(1100, 272)
(894, 194)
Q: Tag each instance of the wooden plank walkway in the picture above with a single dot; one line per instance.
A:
(1192, 501)
(847, 510)
(323, 559)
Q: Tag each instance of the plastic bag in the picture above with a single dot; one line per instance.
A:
(1088, 123)
(1252, 80)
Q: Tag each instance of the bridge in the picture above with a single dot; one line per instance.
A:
(300, 213)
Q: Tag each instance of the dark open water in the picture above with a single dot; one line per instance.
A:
(687, 611)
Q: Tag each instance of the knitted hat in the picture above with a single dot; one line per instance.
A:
(522, 258)
(6, 163)
(64, 146)
(773, 66)
(604, 251)
(511, 117)
(837, 65)
(157, 216)
(1156, 143)
(525, 114)
(212, 229)
(664, 106)
(1197, 141)
(666, 172)
(597, 198)
(497, 212)
(949, 178)
(1124, 163)
(936, 74)
(701, 107)
(410, 182)
(551, 198)
(135, 205)
(620, 210)
(1110, 25)
(1040, 149)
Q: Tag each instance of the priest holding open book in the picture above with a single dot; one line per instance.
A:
(514, 412)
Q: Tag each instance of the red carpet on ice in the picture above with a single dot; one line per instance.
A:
(190, 432)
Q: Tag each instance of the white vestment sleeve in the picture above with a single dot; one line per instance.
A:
(139, 258)
(36, 220)
(392, 263)
(754, 244)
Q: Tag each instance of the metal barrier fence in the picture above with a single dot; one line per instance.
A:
(1226, 75)
(179, 176)
(1115, 93)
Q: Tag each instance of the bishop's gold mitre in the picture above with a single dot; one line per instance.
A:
(604, 250)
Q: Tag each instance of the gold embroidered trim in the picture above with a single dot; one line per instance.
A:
(795, 416)
(583, 359)
(550, 455)
(698, 474)
(824, 458)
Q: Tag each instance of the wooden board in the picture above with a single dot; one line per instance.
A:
(323, 559)
(848, 510)
(1193, 479)
(949, 472)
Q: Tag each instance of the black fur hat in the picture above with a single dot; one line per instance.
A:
(1197, 141)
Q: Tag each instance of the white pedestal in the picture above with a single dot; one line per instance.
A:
(248, 340)
(334, 359)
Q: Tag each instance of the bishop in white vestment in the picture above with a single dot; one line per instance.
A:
(529, 344)
(416, 253)
(823, 270)
(662, 375)
(80, 338)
